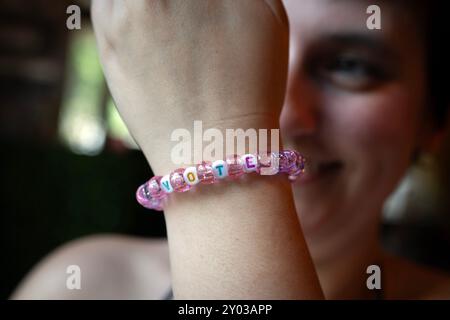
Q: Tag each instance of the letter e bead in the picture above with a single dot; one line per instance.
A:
(250, 162)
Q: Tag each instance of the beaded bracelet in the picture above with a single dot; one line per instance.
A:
(152, 194)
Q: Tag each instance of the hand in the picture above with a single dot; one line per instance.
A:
(170, 62)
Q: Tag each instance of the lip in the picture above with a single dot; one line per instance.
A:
(315, 171)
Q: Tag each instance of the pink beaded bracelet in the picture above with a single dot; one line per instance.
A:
(152, 194)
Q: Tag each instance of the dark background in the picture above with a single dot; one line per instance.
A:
(50, 193)
(55, 188)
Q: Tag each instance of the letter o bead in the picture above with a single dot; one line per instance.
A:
(190, 176)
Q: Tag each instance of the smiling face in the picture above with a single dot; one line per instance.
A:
(355, 107)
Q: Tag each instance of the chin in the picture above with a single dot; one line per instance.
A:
(315, 210)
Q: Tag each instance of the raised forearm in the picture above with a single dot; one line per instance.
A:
(171, 62)
(239, 240)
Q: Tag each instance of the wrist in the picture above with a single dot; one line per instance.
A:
(211, 139)
(154, 193)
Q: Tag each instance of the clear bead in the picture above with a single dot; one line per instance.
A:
(235, 166)
(298, 168)
(268, 163)
(144, 198)
(288, 161)
(177, 181)
(154, 188)
(205, 173)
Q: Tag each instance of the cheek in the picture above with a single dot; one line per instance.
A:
(375, 132)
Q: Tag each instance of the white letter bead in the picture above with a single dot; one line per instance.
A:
(220, 168)
(250, 162)
(165, 184)
(190, 176)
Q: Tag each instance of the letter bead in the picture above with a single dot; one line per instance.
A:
(165, 184)
(190, 176)
(220, 168)
(250, 162)
(153, 193)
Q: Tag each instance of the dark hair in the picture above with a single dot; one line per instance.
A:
(437, 38)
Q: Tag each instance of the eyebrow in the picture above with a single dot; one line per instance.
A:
(363, 40)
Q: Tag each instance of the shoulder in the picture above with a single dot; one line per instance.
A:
(408, 280)
(109, 266)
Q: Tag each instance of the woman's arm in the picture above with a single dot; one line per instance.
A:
(239, 240)
(169, 63)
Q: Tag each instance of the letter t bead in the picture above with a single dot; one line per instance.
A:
(220, 169)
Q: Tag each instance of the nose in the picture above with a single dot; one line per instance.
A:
(299, 116)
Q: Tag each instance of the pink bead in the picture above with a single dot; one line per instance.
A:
(298, 168)
(156, 204)
(287, 161)
(145, 199)
(268, 164)
(235, 166)
(205, 173)
(177, 181)
(154, 188)
(142, 195)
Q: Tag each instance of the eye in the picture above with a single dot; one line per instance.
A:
(350, 72)
(349, 65)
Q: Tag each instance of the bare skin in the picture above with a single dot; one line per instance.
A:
(112, 266)
(358, 123)
(120, 267)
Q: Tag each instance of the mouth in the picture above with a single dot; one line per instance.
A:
(316, 170)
